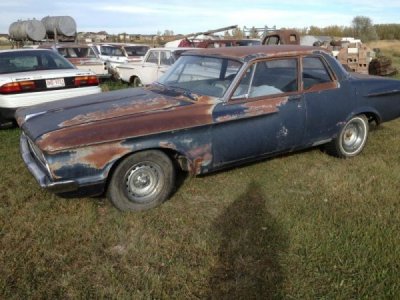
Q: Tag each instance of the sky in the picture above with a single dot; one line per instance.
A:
(184, 17)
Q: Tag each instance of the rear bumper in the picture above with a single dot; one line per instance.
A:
(14, 101)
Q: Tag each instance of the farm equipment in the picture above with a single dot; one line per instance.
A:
(352, 53)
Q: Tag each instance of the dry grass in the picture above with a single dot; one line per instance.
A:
(301, 226)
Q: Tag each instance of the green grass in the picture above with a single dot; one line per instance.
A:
(299, 226)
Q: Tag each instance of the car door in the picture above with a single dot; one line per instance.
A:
(149, 70)
(264, 115)
(326, 102)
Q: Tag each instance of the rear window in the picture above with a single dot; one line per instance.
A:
(26, 61)
(136, 50)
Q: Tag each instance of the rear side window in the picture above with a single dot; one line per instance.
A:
(314, 72)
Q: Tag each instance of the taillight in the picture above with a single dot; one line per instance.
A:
(17, 87)
(86, 80)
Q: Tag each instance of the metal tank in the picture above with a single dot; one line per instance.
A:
(59, 25)
(33, 30)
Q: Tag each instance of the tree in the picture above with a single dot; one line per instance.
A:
(237, 33)
(364, 29)
(227, 35)
(168, 32)
(253, 33)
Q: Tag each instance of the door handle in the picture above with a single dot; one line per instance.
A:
(295, 97)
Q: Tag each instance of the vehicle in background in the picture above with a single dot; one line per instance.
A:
(33, 76)
(82, 56)
(154, 64)
(115, 54)
(352, 53)
(212, 109)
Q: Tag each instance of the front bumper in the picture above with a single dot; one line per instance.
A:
(41, 177)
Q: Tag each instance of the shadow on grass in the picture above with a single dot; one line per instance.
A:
(251, 241)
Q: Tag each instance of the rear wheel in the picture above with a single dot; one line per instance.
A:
(135, 82)
(142, 181)
(352, 138)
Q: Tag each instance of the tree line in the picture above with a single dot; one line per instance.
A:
(361, 27)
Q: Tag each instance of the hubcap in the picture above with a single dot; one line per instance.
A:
(354, 136)
(142, 181)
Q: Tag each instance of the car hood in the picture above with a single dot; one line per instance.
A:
(109, 116)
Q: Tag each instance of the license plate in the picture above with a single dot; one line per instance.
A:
(55, 83)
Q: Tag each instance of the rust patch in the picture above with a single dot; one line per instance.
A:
(97, 156)
(201, 156)
(133, 107)
(255, 108)
(125, 127)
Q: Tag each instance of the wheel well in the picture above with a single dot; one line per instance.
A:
(372, 117)
(178, 160)
(132, 78)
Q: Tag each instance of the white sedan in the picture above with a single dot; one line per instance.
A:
(154, 64)
(34, 76)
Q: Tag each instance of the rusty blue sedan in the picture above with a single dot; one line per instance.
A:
(213, 109)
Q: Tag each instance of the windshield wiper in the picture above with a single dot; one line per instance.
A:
(179, 89)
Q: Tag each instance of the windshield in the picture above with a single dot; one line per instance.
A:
(26, 61)
(136, 50)
(202, 75)
(111, 51)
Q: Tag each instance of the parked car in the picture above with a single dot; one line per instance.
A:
(115, 54)
(208, 42)
(81, 56)
(154, 64)
(32, 76)
(214, 108)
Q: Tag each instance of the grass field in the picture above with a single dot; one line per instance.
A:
(300, 226)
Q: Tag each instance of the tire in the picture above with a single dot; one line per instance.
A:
(136, 82)
(142, 181)
(351, 139)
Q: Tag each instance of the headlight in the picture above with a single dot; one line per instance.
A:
(38, 154)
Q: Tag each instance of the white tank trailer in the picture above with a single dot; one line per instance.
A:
(32, 30)
(59, 26)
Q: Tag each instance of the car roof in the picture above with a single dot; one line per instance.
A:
(246, 53)
(72, 45)
(172, 48)
(23, 50)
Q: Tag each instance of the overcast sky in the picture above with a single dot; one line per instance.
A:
(151, 16)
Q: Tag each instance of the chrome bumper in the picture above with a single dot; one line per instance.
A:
(41, 177)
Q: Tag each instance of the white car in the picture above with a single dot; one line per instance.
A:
(34, 76)
(81, 56)
(154, 64)
(115, 54)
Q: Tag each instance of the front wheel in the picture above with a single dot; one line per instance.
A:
(351, 139)
(142, 181)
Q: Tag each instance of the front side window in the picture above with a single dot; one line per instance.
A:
(269, 77)
(152, 57)
(166, 58)
(314, 72)
(202, 75)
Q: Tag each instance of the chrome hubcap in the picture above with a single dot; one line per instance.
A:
(354, 136)
(142, 181)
